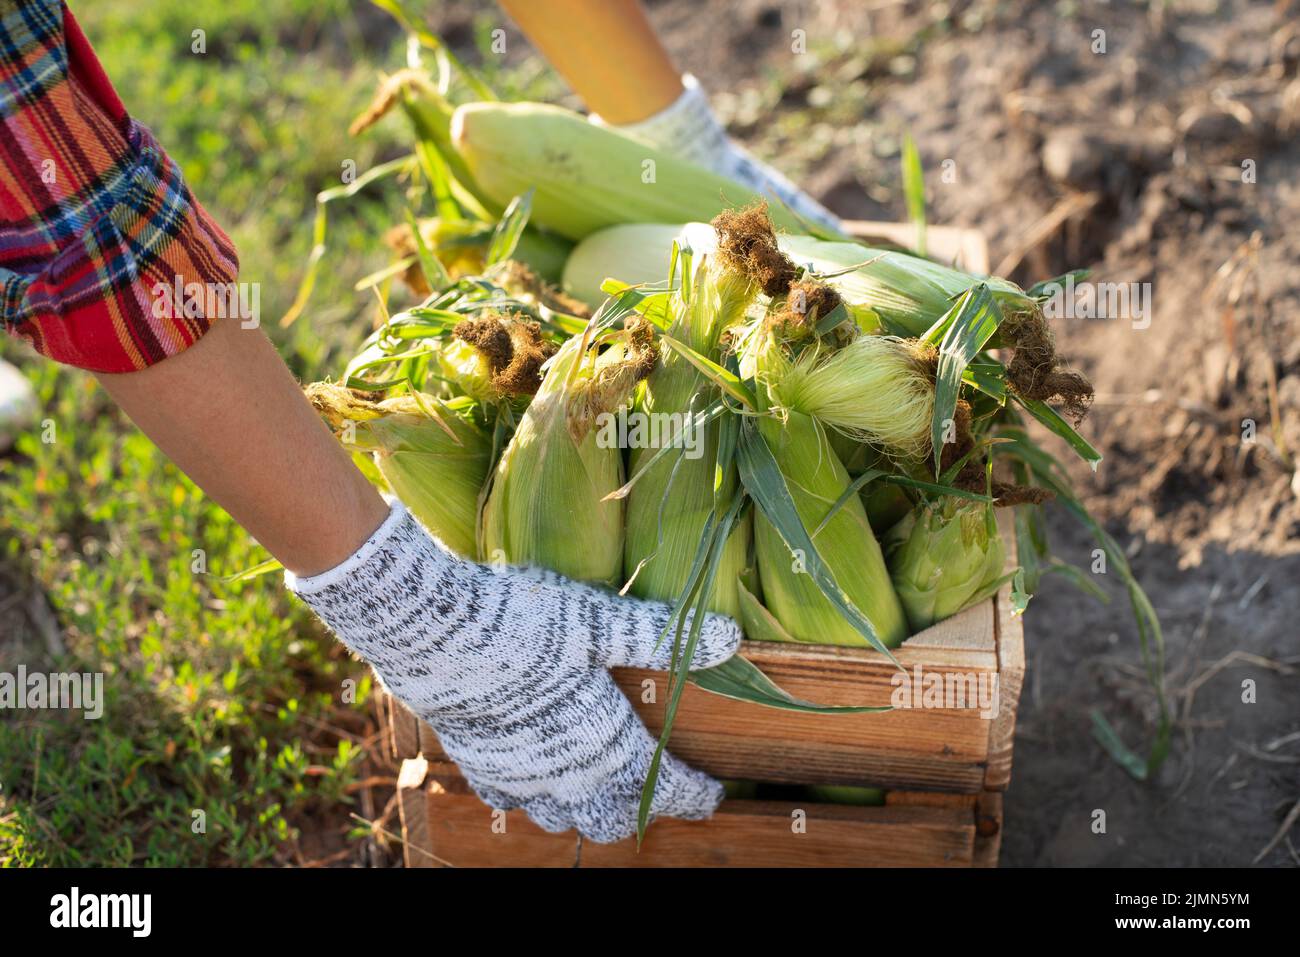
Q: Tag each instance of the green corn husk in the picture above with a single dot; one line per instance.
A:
(879, 389)
(437, 476)
(889, 291)
(585, 176)
(817, 480)
(943, 556)
(678, 494)
(886, 503)
(906, 293)
(461, 247)
(547, 506)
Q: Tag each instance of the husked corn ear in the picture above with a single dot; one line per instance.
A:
(586, 177)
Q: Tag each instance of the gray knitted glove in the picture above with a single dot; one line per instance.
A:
(689, 129)
(509, 666)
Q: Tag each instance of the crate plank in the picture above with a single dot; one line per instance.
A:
(413, 810)
(1011, 673)
(762, 834)
(988, 829)
(465, 832)
(740, 834)
(403, 730)
(945, 749)
(964, 248)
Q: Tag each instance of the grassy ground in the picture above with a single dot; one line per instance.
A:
(221, 699)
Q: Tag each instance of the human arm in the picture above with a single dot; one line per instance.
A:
(609, 54)
(509, 666)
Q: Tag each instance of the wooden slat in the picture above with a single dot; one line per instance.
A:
(403, 730)
(413, 809)
(988, 829)
(932, 749)
(465, 832)
(1011, 673)
(951, 245)
(763, 834)
(740, 834)
(942, 749)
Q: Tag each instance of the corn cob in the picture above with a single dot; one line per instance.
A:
(943, 556)
(547, 505)
(677, 494)
(437, 468)
(586, 177)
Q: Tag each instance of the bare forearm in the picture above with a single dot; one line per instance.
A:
(606, 51)
(231, 417)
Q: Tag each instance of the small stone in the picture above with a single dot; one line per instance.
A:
(1072, 157)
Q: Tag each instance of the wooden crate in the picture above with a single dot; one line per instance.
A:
(944, 768)
(956, 750)
(445, 825)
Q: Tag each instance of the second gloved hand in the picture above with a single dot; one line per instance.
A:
(689, 129)
(510, 667)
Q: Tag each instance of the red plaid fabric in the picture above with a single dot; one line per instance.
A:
(95, 217)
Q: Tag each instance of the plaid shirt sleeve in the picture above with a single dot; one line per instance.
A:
(96, 221)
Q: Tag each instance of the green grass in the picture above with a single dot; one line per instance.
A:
(229, 700)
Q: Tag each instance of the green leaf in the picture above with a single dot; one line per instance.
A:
(1078, 578)
(1039, 289)
(701, 419)
(988, 376)
(1045, 414)
(742, 680)
(506, 235)
(1019, 597)
(261, 568)
(835, 317)
(433, 269)
(412, 24)
(1120, 752)
(320, 227)
(698, 589)
(1048, 473)
(1026, 548)
(914, 190)
(761, 476)
(872, 475)
(651, 302)
(974, 319)
(439, 177)
(726, 380)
